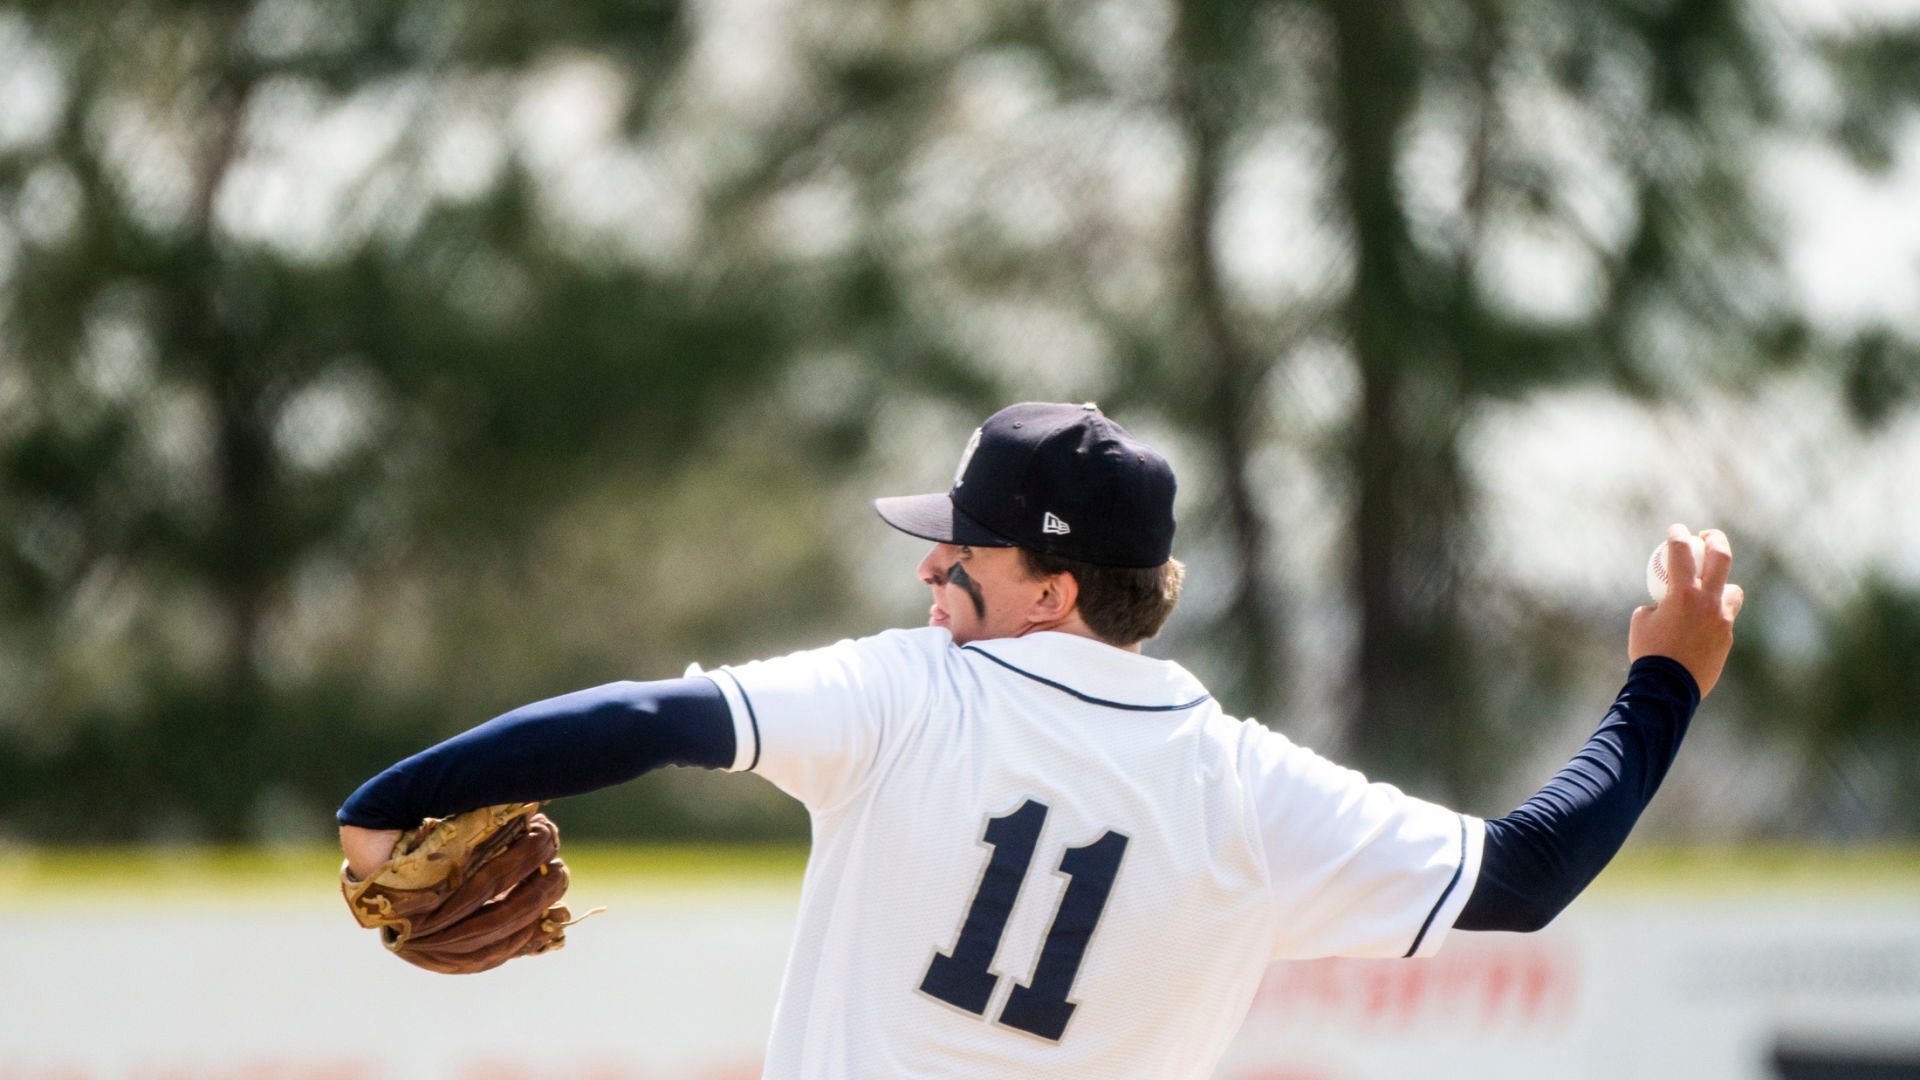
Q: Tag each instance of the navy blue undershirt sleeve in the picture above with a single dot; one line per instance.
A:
(567, 745)
(1539, 857)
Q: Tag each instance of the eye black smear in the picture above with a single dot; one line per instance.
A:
(957, 575)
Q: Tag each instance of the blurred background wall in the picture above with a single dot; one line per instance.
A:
(369, 368)
(1713, 969)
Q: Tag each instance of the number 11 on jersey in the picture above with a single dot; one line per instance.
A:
(963, 976)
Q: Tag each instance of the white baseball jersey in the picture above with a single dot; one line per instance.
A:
(1044, 856)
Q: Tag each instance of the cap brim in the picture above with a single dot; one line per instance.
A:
(934, 517)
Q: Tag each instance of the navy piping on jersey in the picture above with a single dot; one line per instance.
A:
(1088, 698)
(1442, 902)
(752, 717)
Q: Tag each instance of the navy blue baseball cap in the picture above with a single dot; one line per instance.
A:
(1059, 479)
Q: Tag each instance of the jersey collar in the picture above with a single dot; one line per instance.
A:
(1095, 672)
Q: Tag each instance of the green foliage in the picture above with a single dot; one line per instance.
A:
(1882, 376)
(369, 368)
(1861, 702)
(218, 446)
(1878, 73)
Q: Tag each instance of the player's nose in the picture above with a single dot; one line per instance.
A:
(939, 562)
(932, 568)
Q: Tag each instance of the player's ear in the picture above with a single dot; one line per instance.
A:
(1058, 595)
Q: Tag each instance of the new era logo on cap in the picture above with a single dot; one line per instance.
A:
(1052, 524)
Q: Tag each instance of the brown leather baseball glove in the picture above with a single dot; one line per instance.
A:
(469, 892)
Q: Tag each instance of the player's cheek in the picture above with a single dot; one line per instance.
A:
(960, 611)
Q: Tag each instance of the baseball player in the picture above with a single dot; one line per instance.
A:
(1038, 852)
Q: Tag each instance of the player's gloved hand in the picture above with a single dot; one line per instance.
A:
(465, 893)
(1693, 624)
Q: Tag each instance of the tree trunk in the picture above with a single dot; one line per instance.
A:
(1408, 510)
(243, 557)
(1228, 390)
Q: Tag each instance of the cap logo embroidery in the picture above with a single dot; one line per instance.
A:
(966, 458)
(1052, 524)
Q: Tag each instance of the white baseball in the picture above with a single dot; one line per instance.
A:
(1657, 566)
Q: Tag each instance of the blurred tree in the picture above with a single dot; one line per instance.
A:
(1523, 196)
(1858, 709)
(227, 404)
(1218, 394)
(1849, 707)
(1533, 193)
(367, 368)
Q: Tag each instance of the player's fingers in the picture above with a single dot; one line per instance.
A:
(1732, 598)
(1718, 561)
(1680, 567)
(366, 849)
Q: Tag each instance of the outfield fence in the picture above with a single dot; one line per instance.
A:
(1687, 967)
